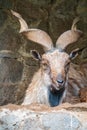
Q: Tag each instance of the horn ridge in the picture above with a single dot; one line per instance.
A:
(35, 35)
(75, 21)
(69, 36)
(23, 24)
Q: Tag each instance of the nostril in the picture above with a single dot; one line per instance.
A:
(60, 81)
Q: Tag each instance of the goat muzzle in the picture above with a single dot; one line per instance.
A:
(58, 84)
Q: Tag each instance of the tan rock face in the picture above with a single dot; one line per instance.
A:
(39, 117)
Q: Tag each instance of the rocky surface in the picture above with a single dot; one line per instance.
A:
(39, 117)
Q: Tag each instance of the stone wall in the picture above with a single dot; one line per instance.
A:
(16, 64)
(34, 117)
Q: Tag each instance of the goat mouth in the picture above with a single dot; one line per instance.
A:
(56, 87)
(56, 90)
(53, 87)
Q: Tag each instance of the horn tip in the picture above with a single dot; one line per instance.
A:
(75, 21)
(15, 14)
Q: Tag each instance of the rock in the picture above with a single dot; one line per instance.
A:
(83, 95)
(11, 72)
(81, 8)
(3, 17)
(9, 40)
(84, 54)
(39, 117)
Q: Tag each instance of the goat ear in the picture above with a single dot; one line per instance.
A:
(35, 55)
(74, 53)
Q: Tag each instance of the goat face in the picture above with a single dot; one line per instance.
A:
(55, 64)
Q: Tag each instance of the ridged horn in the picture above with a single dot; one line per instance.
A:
(69, 36)
(35, 35)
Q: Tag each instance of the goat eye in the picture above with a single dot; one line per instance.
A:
(45, 65)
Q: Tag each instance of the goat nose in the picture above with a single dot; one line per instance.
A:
(60, 81)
